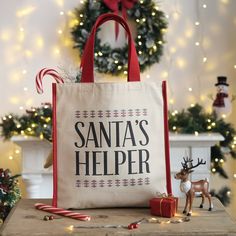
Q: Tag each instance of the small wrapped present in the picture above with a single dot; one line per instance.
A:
(164, 206)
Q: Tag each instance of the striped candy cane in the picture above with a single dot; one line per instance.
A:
(42, 73)
(62, 212)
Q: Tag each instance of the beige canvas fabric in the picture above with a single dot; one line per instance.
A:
(110, 144)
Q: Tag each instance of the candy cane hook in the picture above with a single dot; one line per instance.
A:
(44, 72)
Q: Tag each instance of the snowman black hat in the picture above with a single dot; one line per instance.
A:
(222, 81)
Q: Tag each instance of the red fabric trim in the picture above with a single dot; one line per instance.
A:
(54, 99)
(166, 136)
(87, 60)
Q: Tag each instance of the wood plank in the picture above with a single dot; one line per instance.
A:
(25, 220)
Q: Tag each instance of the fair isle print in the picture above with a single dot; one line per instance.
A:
(111, 113)
(110, 183)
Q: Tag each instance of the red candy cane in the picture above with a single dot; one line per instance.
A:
(62, 212)
(42, 73)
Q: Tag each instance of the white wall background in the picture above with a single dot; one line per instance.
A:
(34, 34)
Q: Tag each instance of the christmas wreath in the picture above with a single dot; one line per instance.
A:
(150, 26)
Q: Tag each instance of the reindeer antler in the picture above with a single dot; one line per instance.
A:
(189, 161)
(199, 162)
(186, 161)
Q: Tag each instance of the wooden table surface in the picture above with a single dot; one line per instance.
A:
(25, 220)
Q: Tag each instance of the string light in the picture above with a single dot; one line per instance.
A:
(190, 89)
(223, 116)
(62, 13)
(28, 53)
(5, 35)
(165, 74)
(196, 133)
(173, 50)
(70, 228)
(235, 176)
(197, 23)
(25, 11)
(204, 6)
(197, 43)
(10, 157)
(48, 119)
(176, 15)
(39, 42)
(204, 59)
(213, 170)
(56, 51)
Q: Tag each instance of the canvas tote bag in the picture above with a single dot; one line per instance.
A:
(110, 140)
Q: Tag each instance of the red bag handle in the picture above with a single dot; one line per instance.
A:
(87, 61)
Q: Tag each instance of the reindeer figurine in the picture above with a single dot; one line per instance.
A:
(189, 188)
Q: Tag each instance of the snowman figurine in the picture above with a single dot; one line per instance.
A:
(222, 103)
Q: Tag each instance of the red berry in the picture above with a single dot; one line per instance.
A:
(130, 226)
(135, 226)
(51, 217)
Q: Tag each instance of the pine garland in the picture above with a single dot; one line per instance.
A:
(36, 122)
(194, 121)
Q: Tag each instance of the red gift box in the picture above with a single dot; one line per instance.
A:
(164, 206)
